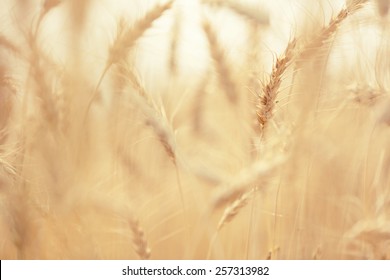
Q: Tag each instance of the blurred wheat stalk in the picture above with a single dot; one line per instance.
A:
(99, 161)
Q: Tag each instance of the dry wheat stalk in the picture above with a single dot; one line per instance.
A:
(140, 243)
(266, 103)
(256, 173)
(153, 117)
(162, 129)
(165, 137)
(42, 88)
(232, 210)
(42, 70)
(232, 192)
(224, 73)
(127, 37)
(198, 104)
(129, 75)
(125, 40)
(173, 53)
(316, 42)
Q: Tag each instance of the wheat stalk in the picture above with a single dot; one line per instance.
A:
(233, 209)
(140, 243)
(266, 102)
(224, 73)
(125, 40)
(256, 173)
(316, 42)
(174, 44)
(127, 37)
(154, 117)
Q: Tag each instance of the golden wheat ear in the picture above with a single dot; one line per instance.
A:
(125, 41)
(224, 72)
(266, 102)
(127, 37)
(140, 243)
(317, 41)
(234, 208)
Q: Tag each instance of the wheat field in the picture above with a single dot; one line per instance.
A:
(194, 129)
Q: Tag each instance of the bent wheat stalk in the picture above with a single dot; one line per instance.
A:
(233, 209)
(224, 73)
(316, 42)
(266, 103)
(140, 244)
(126, 38)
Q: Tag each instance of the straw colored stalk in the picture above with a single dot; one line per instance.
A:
(125, 40)
(234, 208)
(155, 120)
(139, 241)
(257, 173)
(318, 41)
(127, 37)
(224, 73)
(173, 53)
(266, 103)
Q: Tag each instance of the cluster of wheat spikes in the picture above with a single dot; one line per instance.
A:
(145, 134)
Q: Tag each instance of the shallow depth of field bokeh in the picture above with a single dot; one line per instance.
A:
(194, 129)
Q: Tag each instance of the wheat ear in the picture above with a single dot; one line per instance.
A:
(224, 73)
(125, 40)
(232, 210)
(139, 241)
(316, 42)
(234, 188)
(266, 102)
